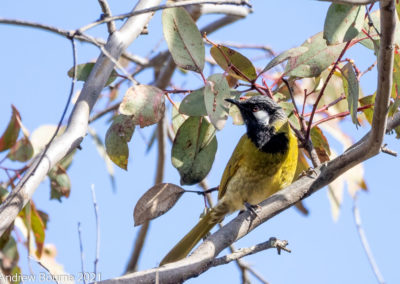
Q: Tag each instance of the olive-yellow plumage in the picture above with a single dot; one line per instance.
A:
(263, 162)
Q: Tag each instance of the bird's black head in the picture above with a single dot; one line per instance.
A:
(260, 114)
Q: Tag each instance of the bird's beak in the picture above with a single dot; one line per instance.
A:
(235, 102)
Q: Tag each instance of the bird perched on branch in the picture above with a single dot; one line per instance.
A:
(263, 162)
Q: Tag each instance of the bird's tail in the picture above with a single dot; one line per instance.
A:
(182, 249)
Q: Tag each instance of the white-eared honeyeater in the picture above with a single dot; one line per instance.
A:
(263, 162)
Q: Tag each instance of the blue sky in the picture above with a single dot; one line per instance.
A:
(34, 79)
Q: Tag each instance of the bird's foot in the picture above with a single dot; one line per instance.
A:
(309, 172)
(252, 209)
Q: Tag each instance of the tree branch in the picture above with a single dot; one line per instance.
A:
(162, 7)
(78, 122)
(365, 244)
(107, 13)
(271, 243)
(200, 260)
(65, 33)
(351, 2)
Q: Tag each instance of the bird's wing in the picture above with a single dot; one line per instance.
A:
(233, 165)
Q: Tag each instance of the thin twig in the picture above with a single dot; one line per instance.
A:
(342, 114)
(368, 69)
(162, 7)
(71, 91)
(326, 107)
(113, 60)
(96, 214)
(266, 48)
(271, 243)
(365, 244)
(81, 251)
(53, 277)
(162, 82)
(65, 33)
(104, 112)
(370, 22)
(323, 89)
(386, 150)
(204, 192)
(107, 13)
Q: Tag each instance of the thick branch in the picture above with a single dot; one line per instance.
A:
(367, 147)
(78, 122)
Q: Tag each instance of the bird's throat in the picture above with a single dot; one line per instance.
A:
(267, 140)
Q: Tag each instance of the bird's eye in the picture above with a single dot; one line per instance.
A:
(255, 108)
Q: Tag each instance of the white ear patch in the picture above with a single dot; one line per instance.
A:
(262, 116)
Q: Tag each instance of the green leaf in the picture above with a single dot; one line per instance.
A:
(398, 9)
(343, 23)
(215, 93)
(33, 222)
(117, 137)
(60, 184)
(314, 61)
(83, 71)
(10, 135)
(367, 42)
(351, 89)
(193, 150)
(234, 63)
(145, 103)
(396, 85)
(293, 52)
(22, 151)
(10, 256)
(320, 143)
(193, 104)
(183, 39)
(397, 130)
(369, 112)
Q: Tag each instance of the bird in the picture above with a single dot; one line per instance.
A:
(263, 162)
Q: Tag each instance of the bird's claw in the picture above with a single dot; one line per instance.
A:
(252, 209)
(309, 172)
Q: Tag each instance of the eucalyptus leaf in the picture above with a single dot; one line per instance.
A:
(293, 52)
(234, 63)
(83, 71)
(351, 89)
(156, 201)
(343, 22)
(215, 93)
(118, 135)
(193, 104)
(183, 39)
(10, 135)
(145, 103)
(193, 150)
(315, 60)
(320, 144)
